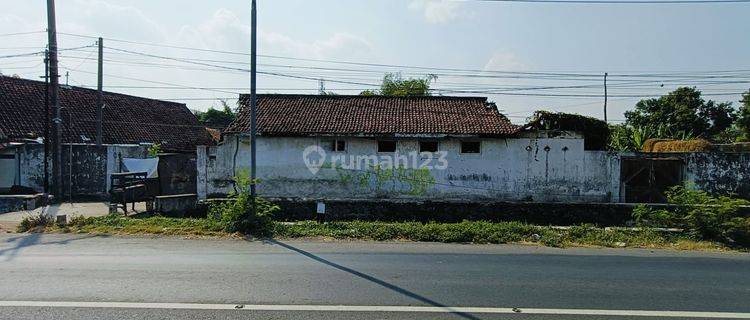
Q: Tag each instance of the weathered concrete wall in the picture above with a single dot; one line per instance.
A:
(32, 166)
(176, 205)
(719, 173)
(9, 173)
(177, 174)
(84, 170)
(603, 214)
(535, 168)
(85, 173)
(12, 203)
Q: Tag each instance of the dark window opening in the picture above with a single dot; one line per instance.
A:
(471, 147)
(428, 146)
(338, 145)
(386, 146)
(334, 145)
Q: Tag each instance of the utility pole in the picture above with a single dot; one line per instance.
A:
(605, 97)
(253, 96)
(54, 87)
(46, 121)
(100, 96)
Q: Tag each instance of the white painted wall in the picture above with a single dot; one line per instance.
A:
(506, 169)
(8, 168)
(31, 159)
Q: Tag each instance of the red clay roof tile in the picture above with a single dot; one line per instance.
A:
(127, 119)
(302, 115)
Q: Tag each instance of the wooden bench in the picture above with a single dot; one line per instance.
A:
(130, 187)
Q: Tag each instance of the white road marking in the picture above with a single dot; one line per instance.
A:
(341, 308)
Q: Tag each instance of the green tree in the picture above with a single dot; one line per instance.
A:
(215, 118)
(683, 111)
(395, 85)
(743, 121)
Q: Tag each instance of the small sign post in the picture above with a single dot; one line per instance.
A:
(320, 211)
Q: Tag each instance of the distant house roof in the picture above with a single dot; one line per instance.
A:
(304, 115)
(126, 119)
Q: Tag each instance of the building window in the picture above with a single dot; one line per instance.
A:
(338, 145)
(471, 147)
(428, 146)
(386, 146)
(334, 145)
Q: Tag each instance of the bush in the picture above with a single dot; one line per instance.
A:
(701, 214)
(595, 132)
(245, 213)
(35, 222)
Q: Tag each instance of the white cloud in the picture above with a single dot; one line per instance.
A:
(225, 31)
(438, 11)
(98, 17)
(505, 61)
(337, 45)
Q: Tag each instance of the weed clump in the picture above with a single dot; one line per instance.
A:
(703, 216)
(244, 213)
(35, 223)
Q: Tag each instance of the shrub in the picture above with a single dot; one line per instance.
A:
(595, 132)
(701, 214)
(245, 213)
(34, 222)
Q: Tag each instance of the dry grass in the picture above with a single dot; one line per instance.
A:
(665, 146)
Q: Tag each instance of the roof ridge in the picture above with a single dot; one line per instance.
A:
(67, 86)
(246, 95)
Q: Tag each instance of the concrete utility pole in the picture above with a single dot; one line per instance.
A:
(253, 95)
(100, 96)
(46, 121)
(54, 87)
(605, 97)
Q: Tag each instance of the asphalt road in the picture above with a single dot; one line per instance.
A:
(171, 278)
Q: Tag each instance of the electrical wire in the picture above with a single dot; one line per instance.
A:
(620, 1)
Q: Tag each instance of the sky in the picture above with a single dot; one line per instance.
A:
(508, 52)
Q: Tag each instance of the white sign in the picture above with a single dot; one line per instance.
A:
(321, 208)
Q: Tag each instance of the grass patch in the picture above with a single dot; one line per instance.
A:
(495, 232)
(478, 232)
(145, 224)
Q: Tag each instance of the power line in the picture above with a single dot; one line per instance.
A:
(621, 1)
(40, 52)
(152, 81)
(685, 78)
(571, 74)
(20, 33)
(367, 84)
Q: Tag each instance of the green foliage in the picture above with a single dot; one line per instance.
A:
(244, 213)
(142, 224)
(418, 181)
(596, 132)
(683, 110)
(395, 85)
(154, 150)
(626, 138)
(34, 222)
(743, 121)
(731, 135)
(215, 118)
(484, 232)
(701, 214)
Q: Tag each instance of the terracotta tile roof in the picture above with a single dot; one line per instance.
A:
(215, 134)
(127, 119)
(301, 115)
